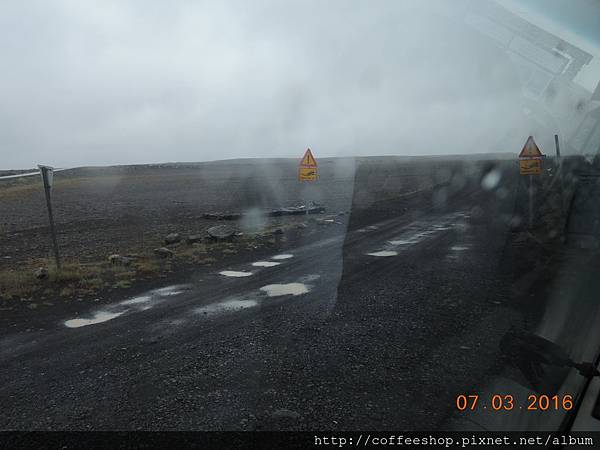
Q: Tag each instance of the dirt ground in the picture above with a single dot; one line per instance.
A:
(129, 210)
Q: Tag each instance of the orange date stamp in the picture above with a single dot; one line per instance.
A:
(507, 402)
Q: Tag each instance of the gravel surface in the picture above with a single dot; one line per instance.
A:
(357, 342)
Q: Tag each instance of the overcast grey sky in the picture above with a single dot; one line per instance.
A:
(117, 82)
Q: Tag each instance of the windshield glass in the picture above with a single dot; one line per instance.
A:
(299, 216)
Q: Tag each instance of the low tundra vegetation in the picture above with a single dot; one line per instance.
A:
(77, 280)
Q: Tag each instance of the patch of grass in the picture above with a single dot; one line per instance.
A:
(27, 185)
(68, 273)
(147, 266)
(206, 261)
(229, 251)
(122, 284)
(125, 275)
(16, 284)
(91, 283)
(67, 291)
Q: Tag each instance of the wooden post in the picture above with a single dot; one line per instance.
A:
(47, 175)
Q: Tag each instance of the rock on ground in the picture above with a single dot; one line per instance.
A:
(163, 252)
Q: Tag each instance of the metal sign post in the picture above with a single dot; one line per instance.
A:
(47, 174)
(560, 175)
(530, 164)
(530, 201)
(307, 171)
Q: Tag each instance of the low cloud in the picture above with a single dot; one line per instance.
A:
(86, 83)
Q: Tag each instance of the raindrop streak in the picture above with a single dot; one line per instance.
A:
(265, 264)
(231, 305)
(491, 180)
(383, 253)
(99, 317)
(233, 273)
(284, 256)
(276, 290)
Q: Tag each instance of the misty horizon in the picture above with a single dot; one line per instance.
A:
(133, 83)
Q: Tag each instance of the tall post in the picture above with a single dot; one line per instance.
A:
(530, 201)
(47, 178)
(560, 174)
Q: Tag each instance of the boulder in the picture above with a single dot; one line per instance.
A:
(119, 260)
(172, 238)
(163, 252)
(221, 232)
(41, 273)
(193, 238)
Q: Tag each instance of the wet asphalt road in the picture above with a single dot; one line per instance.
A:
(336, 336)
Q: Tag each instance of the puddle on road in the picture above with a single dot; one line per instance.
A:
(265, 264)
(403, 241)
(283, 256)
(139, 303)
(99, 317)
(234, 273)
(137, 300)
(383, 253)
(169, 291)
(367, 229)
(227, 306)
(276, 290)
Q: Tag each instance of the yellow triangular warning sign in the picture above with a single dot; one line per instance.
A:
(530, 150)
(308, 160)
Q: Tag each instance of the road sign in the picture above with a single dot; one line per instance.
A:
(308, 167)
(308, 159)
(307, 174)
(530, 166)
(530, 150)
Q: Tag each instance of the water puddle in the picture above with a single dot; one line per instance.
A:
(99, 317)
(459, 248)
(234, 273)
(137, 300)
(265, 264)
(283, 256)
(383, 253)
(310, 278)
(403, 241)
(169, 291)
(276, 290)
(227, 306)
